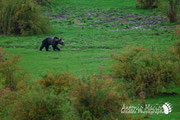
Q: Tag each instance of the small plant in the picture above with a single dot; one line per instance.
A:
(143, 71)
(147, 4)
(22, 17)
(99, 98)
(59, 82)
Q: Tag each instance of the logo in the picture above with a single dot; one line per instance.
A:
(166, 108)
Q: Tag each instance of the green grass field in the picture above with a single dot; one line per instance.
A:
(99, 28)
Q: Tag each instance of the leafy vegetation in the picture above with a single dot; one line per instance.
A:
(21, 17)
(43, 2)
(146, 72)
(37, 105)
(10, 73)
(99, 98)
(145, 4)
(170, 8)
(59, 82)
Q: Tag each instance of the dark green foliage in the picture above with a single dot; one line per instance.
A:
(176, 50)
(37, 105)
(99, 98)
(10, 73)
(147, 4)
(143, 71)
(21, 17)
(171, 9)
(42, 2)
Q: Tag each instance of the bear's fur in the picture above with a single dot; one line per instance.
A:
(54, 41)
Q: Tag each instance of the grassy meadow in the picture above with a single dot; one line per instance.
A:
(92, 31)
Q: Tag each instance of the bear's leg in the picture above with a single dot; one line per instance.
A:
(56, 47)
(47, 47)
(42, 46)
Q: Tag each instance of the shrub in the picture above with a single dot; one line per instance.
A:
(147, 4)
(59, 82)
(10, 73)
(98, 98)
(21, 17)
(37, 105)
(43, 2)
(1, 54)
(175, 52)
(171, 9)
(178, 30)
(7, 98)
(143, 71)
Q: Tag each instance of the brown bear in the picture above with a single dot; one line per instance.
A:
(54, 41)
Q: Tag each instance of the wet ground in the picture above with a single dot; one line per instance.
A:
(117, 18)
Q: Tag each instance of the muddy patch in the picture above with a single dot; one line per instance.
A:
(114, 18)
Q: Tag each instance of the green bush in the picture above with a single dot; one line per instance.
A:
(10, 73)
(7, 98)
(171, 9)
(37, 105)
(99, 98)
(22, 17)
(42, 2)
(178, 30)
(175, 52)
(143, 71)
(59, 82)
(147, 4)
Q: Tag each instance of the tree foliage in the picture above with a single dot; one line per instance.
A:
(171, 9)
(147, 4)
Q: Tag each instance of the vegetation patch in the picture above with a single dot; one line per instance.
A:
(22, 18)
(146, 72)
(99, 98)
(59, 82)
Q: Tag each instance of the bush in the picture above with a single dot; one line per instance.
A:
(147, 4)
(59, 82)
(143, 71)
(7, 98)
(1, 54)
(175, 52)
(178, 30)
(21, 17)
(37, 105)
(42, 2)
(98, 98)
(10, 73)
(171, 9)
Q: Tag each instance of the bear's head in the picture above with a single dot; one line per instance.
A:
(60, 41)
